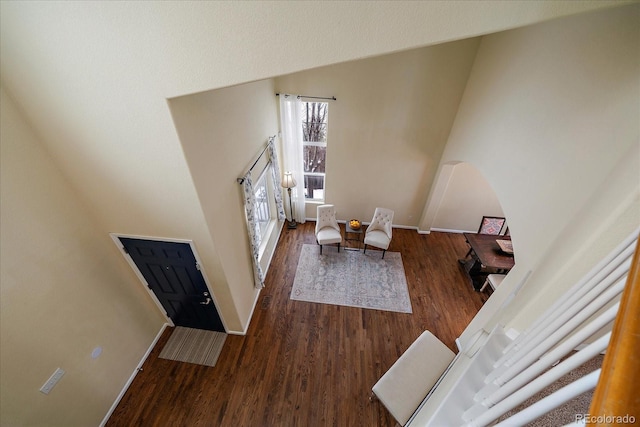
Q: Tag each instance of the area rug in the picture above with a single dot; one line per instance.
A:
(351, 278)
(194, 346)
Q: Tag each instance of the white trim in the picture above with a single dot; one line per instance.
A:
(436, 194)
(132, 377)
(244, 331)
(275, 246)
(253, 308)
(406, 227)
(314, 202)
(116, 238)
(268, 185)
(449, 230)
(315, 143)
(143, 282)
(264, 242)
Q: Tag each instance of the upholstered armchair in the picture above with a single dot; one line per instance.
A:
(327, 228)
(378, 233)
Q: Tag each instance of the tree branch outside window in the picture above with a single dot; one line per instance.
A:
(314, 131)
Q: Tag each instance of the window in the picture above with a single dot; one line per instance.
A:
(314, 135)
(263, 205)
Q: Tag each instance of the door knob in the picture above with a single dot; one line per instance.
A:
(207, 302)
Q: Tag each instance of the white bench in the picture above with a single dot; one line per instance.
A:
(493, 280)
(405, 385)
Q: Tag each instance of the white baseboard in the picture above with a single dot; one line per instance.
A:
(448, 230)
(253, 308)
(277, 239)
(257, 294)
(406, 227)
(130, 380)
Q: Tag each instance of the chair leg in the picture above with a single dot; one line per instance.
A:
(338, 247)
(463, 261)
(384, 251)
(320, 249)
(484, 286)
(365, 249)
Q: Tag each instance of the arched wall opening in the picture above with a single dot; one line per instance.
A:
(460, 197)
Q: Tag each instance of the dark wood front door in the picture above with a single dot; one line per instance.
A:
(172, 273)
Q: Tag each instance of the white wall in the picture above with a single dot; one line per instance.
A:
(65, 291)
(560, 101)
(92, 79)
(466, 198)
(222, 132)
(388, 127)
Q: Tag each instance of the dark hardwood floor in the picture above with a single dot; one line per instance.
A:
(306, 364)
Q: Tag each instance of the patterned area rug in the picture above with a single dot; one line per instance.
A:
(194, 346)
(352, 278)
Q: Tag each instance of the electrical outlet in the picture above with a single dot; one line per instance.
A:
(52, 381)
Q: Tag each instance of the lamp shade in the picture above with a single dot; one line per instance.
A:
(288, 181)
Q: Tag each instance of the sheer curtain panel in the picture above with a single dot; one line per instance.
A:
(275, 177)
(291, 128)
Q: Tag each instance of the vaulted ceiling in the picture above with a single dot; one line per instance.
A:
(93, 78)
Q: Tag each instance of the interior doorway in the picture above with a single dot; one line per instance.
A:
(460, 197)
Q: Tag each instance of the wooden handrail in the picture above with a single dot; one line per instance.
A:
(616, 400)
